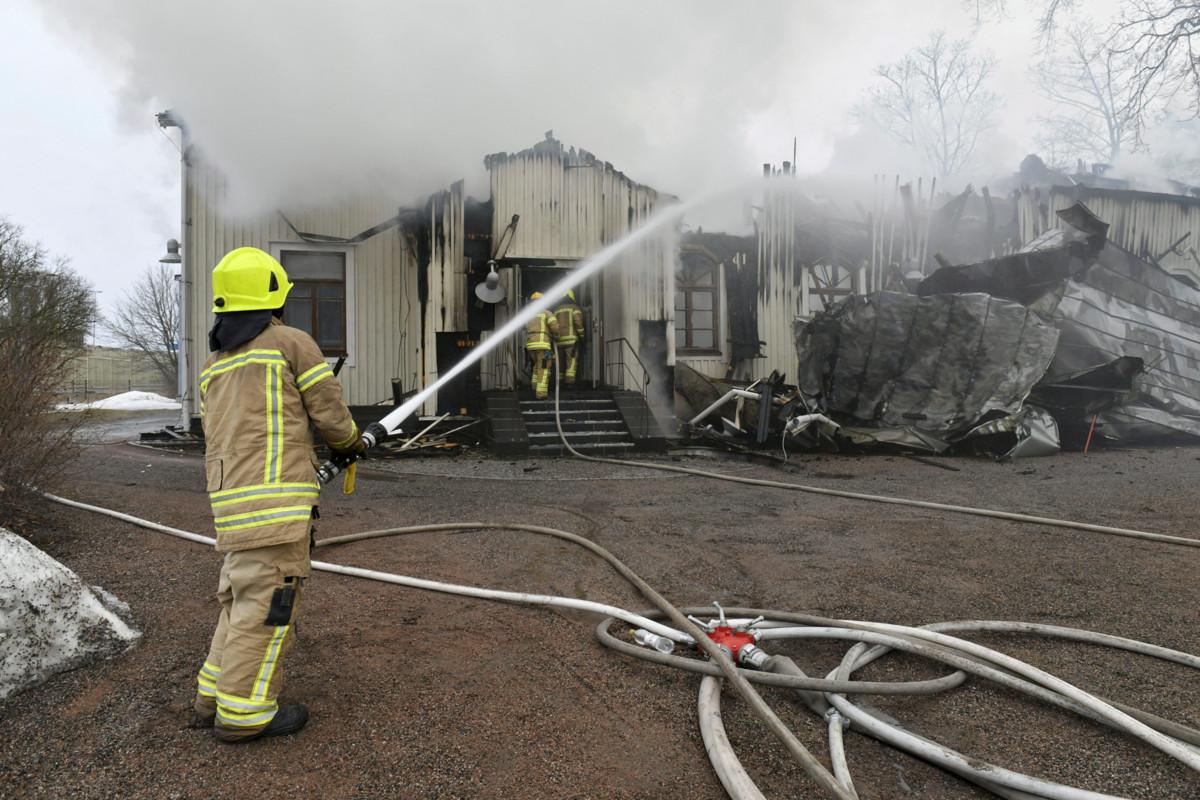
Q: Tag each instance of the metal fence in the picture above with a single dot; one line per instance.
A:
(100, 372)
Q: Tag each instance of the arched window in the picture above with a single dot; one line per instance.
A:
(697, 317)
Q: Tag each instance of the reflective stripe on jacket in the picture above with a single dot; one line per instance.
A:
(257, 402)
(538, 331)
(570, 324)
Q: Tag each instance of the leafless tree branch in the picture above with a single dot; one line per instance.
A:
(1161, 37)
(1099, 111)
(936, 101)
(147, 319)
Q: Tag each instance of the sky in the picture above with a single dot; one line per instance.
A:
(301, 100)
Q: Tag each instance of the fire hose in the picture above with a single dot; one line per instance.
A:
(930, 642)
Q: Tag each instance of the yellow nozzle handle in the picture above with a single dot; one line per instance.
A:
(348, 481)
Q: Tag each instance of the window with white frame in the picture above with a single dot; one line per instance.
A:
(317, 303)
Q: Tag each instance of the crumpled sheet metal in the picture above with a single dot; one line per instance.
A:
(922, 368)
(1123, 307)
(1032, 432)
(1113, 306)
(906, 438)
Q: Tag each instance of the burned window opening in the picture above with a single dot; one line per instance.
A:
(697, 306)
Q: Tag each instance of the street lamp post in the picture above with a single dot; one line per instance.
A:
(168, 119)
(87, 364)
(173, 257)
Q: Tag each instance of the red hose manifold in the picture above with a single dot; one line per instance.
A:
(730, 640)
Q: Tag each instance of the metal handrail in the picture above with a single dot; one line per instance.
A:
(628, 344)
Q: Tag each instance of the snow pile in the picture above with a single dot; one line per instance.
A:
(126, 401)
(50, 621)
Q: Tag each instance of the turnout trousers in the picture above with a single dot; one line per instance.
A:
(540, 372)
(570, 354)
(259, 592)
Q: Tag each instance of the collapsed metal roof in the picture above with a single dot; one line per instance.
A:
(1129, 348)
(922, 371)
(1072, 334)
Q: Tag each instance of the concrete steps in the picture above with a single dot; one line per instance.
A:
(595, 422)
(592, 424)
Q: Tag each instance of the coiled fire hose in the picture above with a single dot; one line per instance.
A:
(958, 654)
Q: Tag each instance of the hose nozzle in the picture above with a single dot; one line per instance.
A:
(373, 435)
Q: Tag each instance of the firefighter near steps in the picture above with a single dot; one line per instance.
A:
(539, 348)
(262, 390)
(569, 336)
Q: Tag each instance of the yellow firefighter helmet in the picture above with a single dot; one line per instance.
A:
(571, 294)
(248, 279)
(535, 296)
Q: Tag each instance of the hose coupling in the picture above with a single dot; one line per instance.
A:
(752, 656)
(832, 716)
(647, 639)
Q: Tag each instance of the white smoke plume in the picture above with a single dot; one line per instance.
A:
(302, 99)
(1171, 155)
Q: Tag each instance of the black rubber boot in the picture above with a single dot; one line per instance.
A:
(288, 720)
(200, 721)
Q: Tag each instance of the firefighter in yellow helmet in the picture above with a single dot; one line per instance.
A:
(262, 388)
(570, 335)
(538, 346)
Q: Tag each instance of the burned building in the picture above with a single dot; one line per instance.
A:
(389, 292)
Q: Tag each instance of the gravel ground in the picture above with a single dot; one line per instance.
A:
(419, 695)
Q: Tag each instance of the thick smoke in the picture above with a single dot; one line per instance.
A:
(303, 100)
(1171, 154)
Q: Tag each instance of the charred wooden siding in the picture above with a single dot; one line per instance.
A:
(383, 312)
(1146, 223)
(571, 205)
(780, 279)
(446, 309)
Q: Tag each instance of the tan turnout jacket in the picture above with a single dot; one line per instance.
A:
(256, 402)
(539, 330)
(570, 324)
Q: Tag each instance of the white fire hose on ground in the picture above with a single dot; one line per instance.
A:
(929, 642)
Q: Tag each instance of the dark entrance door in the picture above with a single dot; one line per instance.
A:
(540, 279)
(652, 350)
(463, 395)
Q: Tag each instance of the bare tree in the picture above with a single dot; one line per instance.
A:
(45, 312)
(1049, 14)
(1162, 39)
(1050, 17)
(147, 319)
(935, 100)
(1098, 111)
(987, 10)
(1159, 38)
